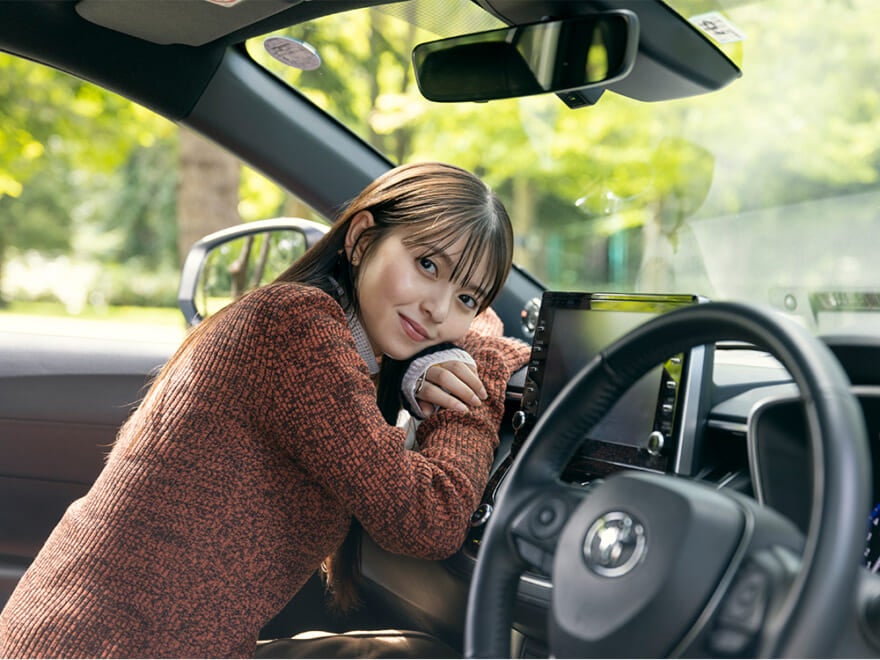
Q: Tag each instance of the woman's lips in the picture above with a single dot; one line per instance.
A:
(412, 329)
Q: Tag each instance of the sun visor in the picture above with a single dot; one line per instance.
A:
(187, 22)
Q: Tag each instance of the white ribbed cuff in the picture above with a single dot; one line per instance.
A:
(418, 368)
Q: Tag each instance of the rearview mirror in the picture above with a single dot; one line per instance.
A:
(223, 266)
(555, 56)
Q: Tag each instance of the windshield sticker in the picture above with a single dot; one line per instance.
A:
(717, 26)
(293, 52)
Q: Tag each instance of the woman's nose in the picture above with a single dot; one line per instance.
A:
(437, 305)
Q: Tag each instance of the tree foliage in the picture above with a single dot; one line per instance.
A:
(69, 166)
(591, 192)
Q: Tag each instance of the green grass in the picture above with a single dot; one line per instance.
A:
(166, 316)
(128, 323)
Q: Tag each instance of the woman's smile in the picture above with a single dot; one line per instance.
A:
(413, 330)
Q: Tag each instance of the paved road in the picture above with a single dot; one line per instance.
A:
(54, 325)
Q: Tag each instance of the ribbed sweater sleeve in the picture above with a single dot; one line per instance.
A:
(415, 503)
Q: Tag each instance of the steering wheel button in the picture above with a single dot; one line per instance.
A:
(548, 518)
(729, 642)
(746, 602)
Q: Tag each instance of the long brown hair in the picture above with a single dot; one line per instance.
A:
(434, 204)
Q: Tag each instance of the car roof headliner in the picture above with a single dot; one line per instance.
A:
(164, 53)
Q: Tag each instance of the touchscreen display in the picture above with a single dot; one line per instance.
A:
(578, 336)
(572, 328)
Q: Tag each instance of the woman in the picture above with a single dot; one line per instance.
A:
(262, 440)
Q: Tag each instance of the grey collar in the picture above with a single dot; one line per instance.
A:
(361, 341)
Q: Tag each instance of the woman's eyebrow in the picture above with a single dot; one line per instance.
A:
(444, 257)
(478, 292)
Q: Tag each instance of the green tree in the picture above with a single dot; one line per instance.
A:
(61, 140)
(142, 211)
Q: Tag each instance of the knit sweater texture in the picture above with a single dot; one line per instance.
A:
(237, 475)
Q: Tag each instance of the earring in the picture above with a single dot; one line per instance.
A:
(355, 260)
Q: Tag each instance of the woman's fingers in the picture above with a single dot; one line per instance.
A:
(427, 409)
(454, 385)
(467, 374)
(438, 397)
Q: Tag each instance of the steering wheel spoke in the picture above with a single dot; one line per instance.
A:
(743, 623)
(535, 531)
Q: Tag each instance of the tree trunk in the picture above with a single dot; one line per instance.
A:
(3, 301)
(208, 196)
(522, 214)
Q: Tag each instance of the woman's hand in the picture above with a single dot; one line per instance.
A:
(454, 385)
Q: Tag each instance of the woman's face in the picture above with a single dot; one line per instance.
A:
(407, 301)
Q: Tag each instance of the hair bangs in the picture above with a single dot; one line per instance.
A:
(486, 244)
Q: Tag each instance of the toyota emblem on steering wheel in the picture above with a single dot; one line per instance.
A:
(614, 544)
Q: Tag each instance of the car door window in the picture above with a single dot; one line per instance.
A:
(100, 200)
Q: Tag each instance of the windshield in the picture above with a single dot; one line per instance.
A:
(765, 191)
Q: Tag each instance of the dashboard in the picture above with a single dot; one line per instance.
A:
(781, 467)
(727, 414)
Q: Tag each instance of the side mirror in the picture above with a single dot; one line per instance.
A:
(556, 56)
(223, 266)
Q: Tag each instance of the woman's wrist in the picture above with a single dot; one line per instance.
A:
(416, 373)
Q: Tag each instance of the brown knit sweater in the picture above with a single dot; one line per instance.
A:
(237, 476)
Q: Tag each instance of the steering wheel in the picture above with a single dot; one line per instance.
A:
(651, 565)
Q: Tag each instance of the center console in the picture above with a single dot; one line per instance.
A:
(646, 428)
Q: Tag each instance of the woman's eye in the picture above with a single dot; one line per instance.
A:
(468, 301)
(428, 265)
